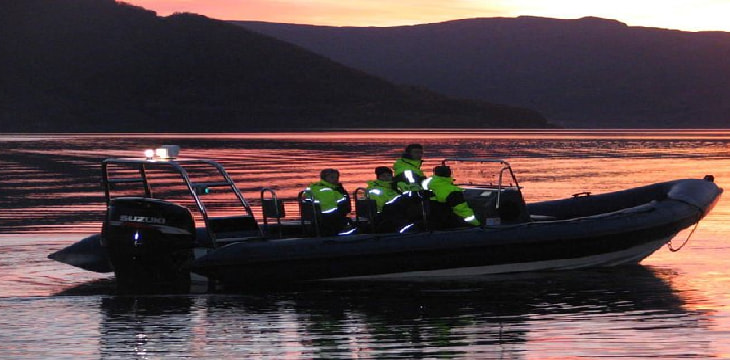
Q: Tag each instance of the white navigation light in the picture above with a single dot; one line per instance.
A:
(161, 153)
(164, 152)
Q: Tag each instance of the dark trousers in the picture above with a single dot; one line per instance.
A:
(332, 224)
(391, 219)
(400, 213)
(441, 217)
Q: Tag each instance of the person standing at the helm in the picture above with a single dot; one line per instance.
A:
(448, 207)
(407, 170)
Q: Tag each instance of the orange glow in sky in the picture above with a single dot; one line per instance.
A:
(688, 15)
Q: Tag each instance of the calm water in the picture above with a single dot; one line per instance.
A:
(675, 305)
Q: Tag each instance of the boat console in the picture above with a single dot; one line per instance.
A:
(491, 190)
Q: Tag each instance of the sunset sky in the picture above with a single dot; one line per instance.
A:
(689, 15)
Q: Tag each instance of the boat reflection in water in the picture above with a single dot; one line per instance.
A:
(562, 314)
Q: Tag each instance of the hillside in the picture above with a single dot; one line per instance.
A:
(98, 65)
(588, 72)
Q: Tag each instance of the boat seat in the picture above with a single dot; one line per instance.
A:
(273, 208)
(365, 210)
(309, 213)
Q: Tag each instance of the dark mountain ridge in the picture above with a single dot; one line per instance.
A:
(99, 65)
(588, 72)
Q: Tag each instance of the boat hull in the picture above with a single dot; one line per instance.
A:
(596, 231)
(646, 218)
(527, 247)
(632, 255)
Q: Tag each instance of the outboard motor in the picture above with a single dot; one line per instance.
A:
(150, 244)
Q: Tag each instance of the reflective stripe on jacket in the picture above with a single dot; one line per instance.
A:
(407, 174)
(445, 192)
(330, 197)
(382, 192)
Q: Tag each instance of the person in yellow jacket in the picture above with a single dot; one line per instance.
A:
(407, 169)
(333, 200)
(448, 207)
(391, 205)
(381, 189)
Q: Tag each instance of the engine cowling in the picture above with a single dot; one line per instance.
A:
(150, 243)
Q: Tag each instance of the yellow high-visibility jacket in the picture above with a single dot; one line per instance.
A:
(330, 197)
(407, 174)
(382, 192)
(445, 192)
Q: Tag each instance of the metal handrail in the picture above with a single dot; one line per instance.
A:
(505, 167)
(178, 166)
(263, 213)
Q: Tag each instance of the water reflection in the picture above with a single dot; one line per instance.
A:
(678, 309)
(145, 327)
(562, 315)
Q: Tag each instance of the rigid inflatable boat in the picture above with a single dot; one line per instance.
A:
(150, 241)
